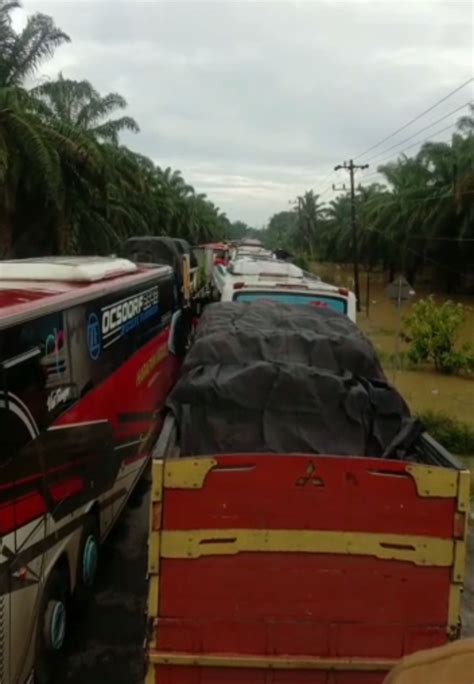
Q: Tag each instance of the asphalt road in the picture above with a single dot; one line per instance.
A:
(105, 640)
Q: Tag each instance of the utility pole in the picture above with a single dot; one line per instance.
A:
(351, 167)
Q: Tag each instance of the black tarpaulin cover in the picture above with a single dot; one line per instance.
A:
(266, 377)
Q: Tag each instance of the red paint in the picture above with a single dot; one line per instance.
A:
(39, 476)
(309, 584)
(117, 395)
(64, 490)
(301, 604)
(31, 506)
(21, 512)
(352, 494)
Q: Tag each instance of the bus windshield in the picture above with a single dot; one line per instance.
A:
(323, 301)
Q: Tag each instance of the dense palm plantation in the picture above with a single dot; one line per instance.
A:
(66, 182)
(423, 218)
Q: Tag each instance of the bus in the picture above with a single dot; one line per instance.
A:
(86, 364)
(254, 279)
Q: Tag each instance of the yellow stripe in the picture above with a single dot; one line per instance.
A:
(187, 473)
(196, 543)
(156, 480)
(434, 481)
(150, 674)
(154, 543)
(153, 595)
(459, 565)
(272, 662)
(454, 611)
(464, 491)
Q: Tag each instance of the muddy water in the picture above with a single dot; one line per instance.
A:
(382, 319)
(428, 391)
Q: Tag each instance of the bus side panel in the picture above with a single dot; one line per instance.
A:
(131, 398)
(77, 417)
(124, 376)
(313, 557)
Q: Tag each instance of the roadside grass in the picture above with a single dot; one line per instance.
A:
(453, 434)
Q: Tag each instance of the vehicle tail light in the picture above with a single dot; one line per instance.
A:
(343, 291)
(238, 286)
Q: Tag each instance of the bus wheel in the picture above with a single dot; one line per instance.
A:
(88, 560)
(52, 623)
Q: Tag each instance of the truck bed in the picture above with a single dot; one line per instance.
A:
(300, 568)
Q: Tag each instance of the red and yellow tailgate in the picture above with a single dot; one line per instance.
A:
(295, 569)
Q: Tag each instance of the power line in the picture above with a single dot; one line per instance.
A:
(402, 142)
(323, 183)
(416, 118)
(417, 142)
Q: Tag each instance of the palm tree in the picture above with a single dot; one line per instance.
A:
(21, 53)
(29, 160)
(78, 104)
(66, 184)
(309, 215)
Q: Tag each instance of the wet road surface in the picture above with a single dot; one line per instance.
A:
(105, 639)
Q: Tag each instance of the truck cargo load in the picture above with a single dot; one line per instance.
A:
(316, 386)
(273, 560)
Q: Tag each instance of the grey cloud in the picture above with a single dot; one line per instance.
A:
(256, 101)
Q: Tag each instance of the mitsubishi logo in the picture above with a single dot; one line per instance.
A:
(310, 477)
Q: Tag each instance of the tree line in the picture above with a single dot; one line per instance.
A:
(421, 216)
(67, 184)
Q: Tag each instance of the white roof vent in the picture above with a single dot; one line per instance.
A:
(66, 269)
(270, 268)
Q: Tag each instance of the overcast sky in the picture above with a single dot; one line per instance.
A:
(256, 101)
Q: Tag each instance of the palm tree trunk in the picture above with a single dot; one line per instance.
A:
(6, 233)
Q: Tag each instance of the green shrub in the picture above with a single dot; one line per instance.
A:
(432, 331)
(302, 261)
(454, 435)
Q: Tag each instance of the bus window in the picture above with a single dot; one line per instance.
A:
(334, 303)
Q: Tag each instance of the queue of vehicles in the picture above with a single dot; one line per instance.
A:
(291, 566)
(89, 351)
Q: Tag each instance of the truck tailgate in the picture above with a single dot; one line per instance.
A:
(269, 568)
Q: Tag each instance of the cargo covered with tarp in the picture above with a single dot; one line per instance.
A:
(265, 377)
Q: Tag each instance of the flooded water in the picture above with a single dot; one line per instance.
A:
(429, 391)
(382, 312)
